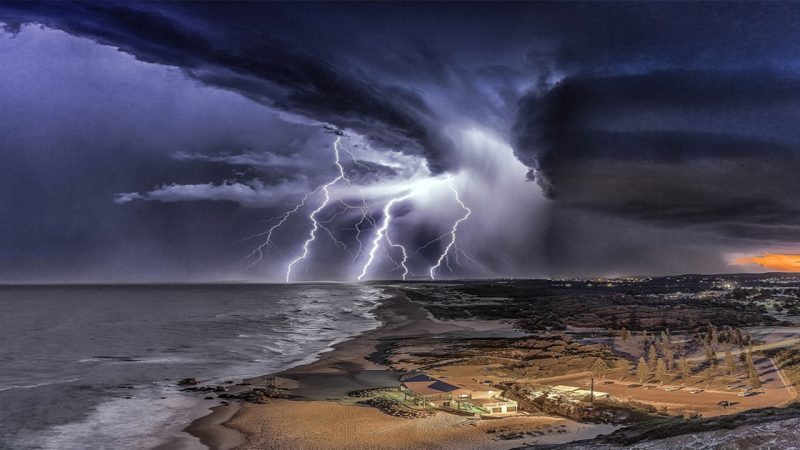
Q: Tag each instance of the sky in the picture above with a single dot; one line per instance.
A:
(344, 141)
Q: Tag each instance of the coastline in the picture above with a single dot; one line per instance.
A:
(320, 415)
(212, 429)
(348, 356)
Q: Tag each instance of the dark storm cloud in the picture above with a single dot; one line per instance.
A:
(245, 60)
(663, 132)
(704, 148)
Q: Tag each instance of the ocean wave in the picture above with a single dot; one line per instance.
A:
(31, 386)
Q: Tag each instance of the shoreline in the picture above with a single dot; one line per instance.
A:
(212, 429)
(320, 415)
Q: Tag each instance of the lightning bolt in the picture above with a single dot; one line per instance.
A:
(453, 231)
(315, 226)
(429, 243)
(381, 233)
(259, 251)
(366, 218)
(402, 263)
(365, 211)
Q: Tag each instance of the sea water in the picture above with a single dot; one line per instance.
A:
(96, 366)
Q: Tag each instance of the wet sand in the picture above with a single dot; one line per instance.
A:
(213, 433)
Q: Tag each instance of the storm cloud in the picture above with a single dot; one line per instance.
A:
(679, 147)
(257, 66)
(150, 139)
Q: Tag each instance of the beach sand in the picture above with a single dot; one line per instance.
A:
(320, 415)
(319, 425)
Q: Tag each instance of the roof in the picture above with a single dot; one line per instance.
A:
(588, 392)
(422, 388)
(425, 385)
(420, 377)
(475, 387)
(563, 388)
(441, 386)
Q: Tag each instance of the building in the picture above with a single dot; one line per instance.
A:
(572, 394)
(469, 397)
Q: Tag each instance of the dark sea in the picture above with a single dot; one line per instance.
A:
(95, 367)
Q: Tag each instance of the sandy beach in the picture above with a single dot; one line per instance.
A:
(320, 415)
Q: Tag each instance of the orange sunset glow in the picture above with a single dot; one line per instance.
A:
(774, 261)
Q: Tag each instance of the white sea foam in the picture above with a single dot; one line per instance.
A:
(31, 386)
(255, 337)
(120, 423)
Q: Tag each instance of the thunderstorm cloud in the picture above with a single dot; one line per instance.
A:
(154, 140)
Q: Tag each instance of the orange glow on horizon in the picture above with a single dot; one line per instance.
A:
(774, 261)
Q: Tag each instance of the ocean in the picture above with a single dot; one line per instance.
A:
(96, 366)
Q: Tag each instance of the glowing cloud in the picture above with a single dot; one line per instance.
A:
(774, 261)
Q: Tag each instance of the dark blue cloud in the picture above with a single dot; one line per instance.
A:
(681, 147)
(681, 115)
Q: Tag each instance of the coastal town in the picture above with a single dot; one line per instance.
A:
(494, 356)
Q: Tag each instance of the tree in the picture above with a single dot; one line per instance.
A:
(641, 370)
(755, 381)
(737, 337)
(748, 362)
(708, 375)
(624, 367)
(599, 368)
(661, 371)
(677, 347)
(670, 358)
(730, 364)
(711, 357)
(652, 358)
(686, 370)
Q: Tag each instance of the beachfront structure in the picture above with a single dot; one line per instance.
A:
(475, 398)
(572, 394)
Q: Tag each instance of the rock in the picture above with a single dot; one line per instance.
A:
(187, 382)
(208, 398)
(365, 393)
(393, 408)
(220, 389)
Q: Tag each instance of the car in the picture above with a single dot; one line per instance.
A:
(672, 388)
(724, 403)
(746, 393)
(696, 391)
(634, 386)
